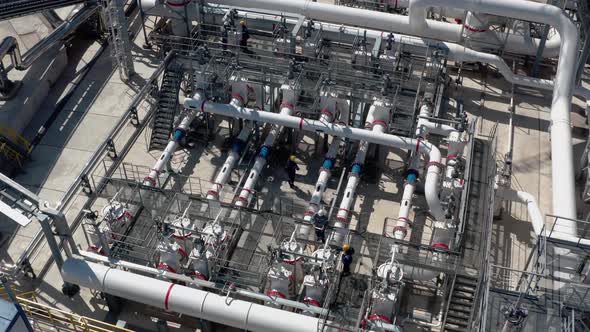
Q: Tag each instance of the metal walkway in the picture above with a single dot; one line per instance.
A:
(18, 8)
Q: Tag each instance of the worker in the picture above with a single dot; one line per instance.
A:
(292, 169)
(347, 253)
(320, 220)
(244, 37)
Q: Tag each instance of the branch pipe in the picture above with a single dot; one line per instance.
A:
(564, 200)
(236, 150)
(193, 302)
(313, 206)
(434, 164)
(535, 214)
(392, 22)
(287, 107)
(377, 121)
(179, 133)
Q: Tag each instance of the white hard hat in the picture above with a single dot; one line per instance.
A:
(322, 213)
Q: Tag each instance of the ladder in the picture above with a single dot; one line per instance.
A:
(116, 23)
(167, 108)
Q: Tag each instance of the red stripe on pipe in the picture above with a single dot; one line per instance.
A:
(276, 293)
(237, 95)
(163, 266)
(418, 144)
(203, 105)
(150, 180)
(243, 200)
(451, 156)
(440, 245)
(327, 112)
(309, 213)
(474, 29)
(380, 317)
(178, 4)
(182, 237)
(168, 296)
(381, 122)
(403, 218)
(287, 105)
(434, 163)
(312, 302)
(213, 193)
(182, 252)
(301, 124)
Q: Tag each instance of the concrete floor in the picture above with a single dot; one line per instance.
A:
(97, 100)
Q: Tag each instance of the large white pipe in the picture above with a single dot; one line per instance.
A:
(535, 214)
(377, 120)
(424, 147)
(232, 158)
(189, 301)
(328, 110)
(246, 193)
(564, 199)
(393, 22)
(179, 133)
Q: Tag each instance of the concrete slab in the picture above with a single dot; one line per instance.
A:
(79, 131)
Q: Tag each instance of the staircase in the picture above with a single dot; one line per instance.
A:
(460, 309)
(167, 107)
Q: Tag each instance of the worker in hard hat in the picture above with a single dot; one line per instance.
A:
(292, 169)
(244, 36)
(347, 252)
(320, 221)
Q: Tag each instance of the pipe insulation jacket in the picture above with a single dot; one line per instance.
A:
(537, 219)
(193, 302)
(419, 145)
(564, 199)
(179, 133)
(391, 22)
(234, 155)
(326, 170)
(246, 193)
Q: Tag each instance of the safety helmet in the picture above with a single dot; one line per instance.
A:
(242, 22)
(292, 157)
(322, 213)
(345, 247)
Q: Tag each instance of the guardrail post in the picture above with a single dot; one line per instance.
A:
(111, 149)
(13, 298)
(134, 116)
(85, 183)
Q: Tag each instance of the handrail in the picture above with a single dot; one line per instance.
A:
(38, 311)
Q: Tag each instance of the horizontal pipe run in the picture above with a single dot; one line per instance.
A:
(193, 302)
(419, 145)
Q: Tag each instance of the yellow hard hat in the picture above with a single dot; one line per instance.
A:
(292, 158)
(242, 22)
(345, 247)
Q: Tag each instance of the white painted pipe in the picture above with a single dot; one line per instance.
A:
(325, 172)
(246, 193)
(403, 217)
(564, 198)
(419, 145)
(232, 158)
(179, 133)
(393, 22)
(522, 44)
(377, 120)
(193, 302)
(537, 219)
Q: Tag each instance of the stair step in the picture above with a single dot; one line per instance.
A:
(463, 295)
(455, 329)
(457, 315)
(466, 281)
(455, 321)
(460, 308)
(464, 288)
